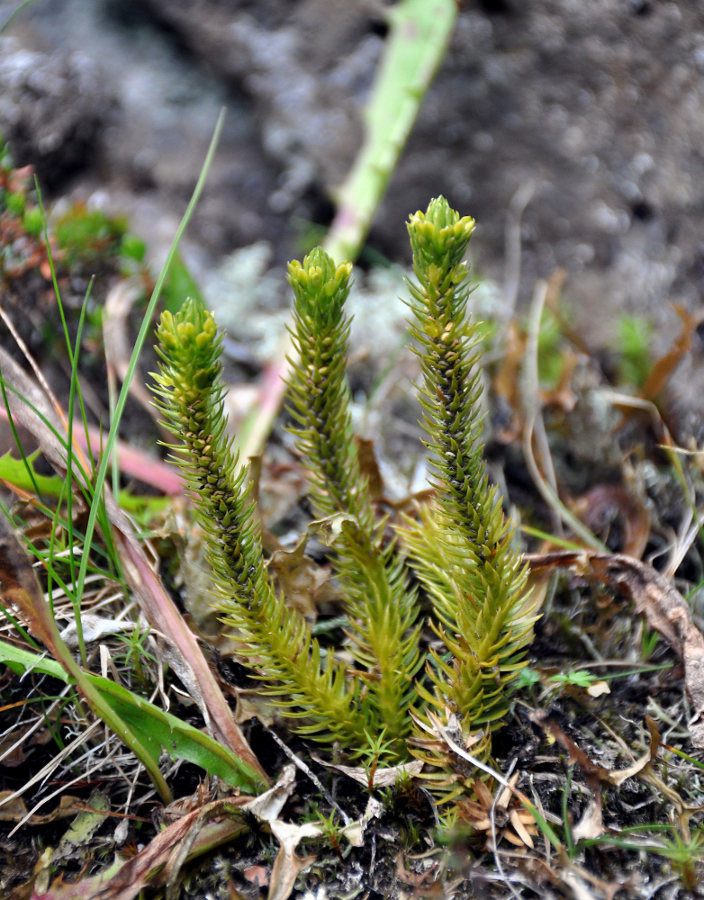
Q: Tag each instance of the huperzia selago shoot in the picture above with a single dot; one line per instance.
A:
(274, 637)
(460, 548)
(380, 604)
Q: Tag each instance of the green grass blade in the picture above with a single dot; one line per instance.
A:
(20, 586)
(139, 343)
(150, 727)
(159, 729)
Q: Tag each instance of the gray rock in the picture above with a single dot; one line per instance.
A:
(52, 109)
(599, 106)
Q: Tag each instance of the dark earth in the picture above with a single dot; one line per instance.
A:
(589, 115)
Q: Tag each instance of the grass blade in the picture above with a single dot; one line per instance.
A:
(153, 727)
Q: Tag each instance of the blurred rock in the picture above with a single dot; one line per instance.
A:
(52, 109)
(598, 107)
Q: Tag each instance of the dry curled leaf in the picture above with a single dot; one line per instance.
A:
(654, 597)
(207, 827)
(594, 773)
(369, 467)
(381, 778)
(302, 580)
(591, 822)
(504, 815)
(288, 864)
(609, 505)
(598, 688)
(14, 809)
(666, 364)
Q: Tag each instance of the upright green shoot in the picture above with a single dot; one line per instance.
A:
(381, 605)
(463, 549)
(276, 639)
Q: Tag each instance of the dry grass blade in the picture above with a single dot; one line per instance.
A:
(41, 380)
(386, 777)
(30, 407)
(161, 612)
(10, 799)
(666, 364)
(118, 305)
(534, 425)
(593, 772)
(22, 593)
(205, 828)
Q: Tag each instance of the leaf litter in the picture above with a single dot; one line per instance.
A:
(665, 609)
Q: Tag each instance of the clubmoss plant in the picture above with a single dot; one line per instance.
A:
(275, 638)
(381, 606)
(461, 547)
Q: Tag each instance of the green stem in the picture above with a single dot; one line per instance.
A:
(381, 606)
(419, 31)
